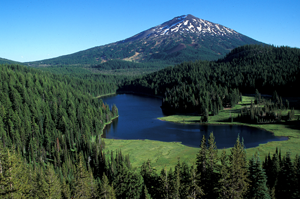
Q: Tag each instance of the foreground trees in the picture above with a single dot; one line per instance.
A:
(225, 176)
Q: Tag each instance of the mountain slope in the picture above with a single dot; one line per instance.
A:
(7, 61)
(183, 38)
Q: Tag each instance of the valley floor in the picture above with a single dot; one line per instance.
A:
(166, 154)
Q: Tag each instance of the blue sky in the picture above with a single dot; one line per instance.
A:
(33, 30)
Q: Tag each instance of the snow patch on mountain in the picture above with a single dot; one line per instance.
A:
(189, 23)
(185, 24)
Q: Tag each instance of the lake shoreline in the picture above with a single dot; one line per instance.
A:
(139, 93)
(112, 119)
(163, 153)
(224, 123)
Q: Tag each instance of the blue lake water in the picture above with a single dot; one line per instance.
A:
(138, 120)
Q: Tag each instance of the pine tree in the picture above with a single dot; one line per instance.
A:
(106, 191)
(224, 180)
(202, 164)
(147, 195)
(238, 170)
(212, 159)
(297, 174)
(53, 187)
(164, 184)
(128, 183)
(194, 190)
(272, 172)
(81, 188)
(150, 178)
(177, 180)
(65, 189)
(14, 178)
(206, 165)
(285, 187)
(258, 180)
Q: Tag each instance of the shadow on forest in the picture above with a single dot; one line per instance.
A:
(233, 111)
(293, 124)
(195, 121)
(226, 120)
(244, 104)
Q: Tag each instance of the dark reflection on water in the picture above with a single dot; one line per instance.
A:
(137, 120)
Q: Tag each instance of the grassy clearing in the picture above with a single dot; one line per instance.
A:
(161, 154)
(165, 154)
(104, 95)
(290, 130)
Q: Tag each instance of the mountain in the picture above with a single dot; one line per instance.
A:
(7, 61)
(184, 38)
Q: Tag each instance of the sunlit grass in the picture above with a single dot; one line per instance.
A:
(166, 154)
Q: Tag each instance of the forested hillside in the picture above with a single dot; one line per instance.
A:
(204, 86)
(51, 119)
(7, 61)
(50, 127)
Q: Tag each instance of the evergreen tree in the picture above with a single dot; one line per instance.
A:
(285, 187)
(258, 180)
(14, 179)
(127, 183)
(53, 186)
(297, 174)
(106, 191)
(202, 165)
(81, 188)
(164, 184)
(147, 195)
(65, 189)
(177, 180)
(194, 190)
(150, 179)
(224, 180)
(238, 171)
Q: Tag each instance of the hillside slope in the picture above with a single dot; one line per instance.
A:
(196, 86)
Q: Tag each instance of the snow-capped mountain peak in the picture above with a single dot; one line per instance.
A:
(185, 24)
(189, 23)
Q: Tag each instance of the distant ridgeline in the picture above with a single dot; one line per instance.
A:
(7, 61)
(204, 86)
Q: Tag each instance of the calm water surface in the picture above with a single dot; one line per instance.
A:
(138, 120)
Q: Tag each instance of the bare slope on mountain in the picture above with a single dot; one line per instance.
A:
(184, 38)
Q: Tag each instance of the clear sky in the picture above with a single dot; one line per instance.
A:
(33, 30)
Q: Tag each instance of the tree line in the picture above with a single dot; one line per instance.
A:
(211, 176)
(203, 86)
(266, 110)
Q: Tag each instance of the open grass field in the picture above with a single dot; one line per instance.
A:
(165, 154)
(108, 94)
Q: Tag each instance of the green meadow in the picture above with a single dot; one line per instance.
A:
(166, 154)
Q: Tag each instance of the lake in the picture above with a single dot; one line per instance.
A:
(138, 120)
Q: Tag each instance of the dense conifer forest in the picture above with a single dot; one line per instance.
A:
(51, 125)
(204, 87)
